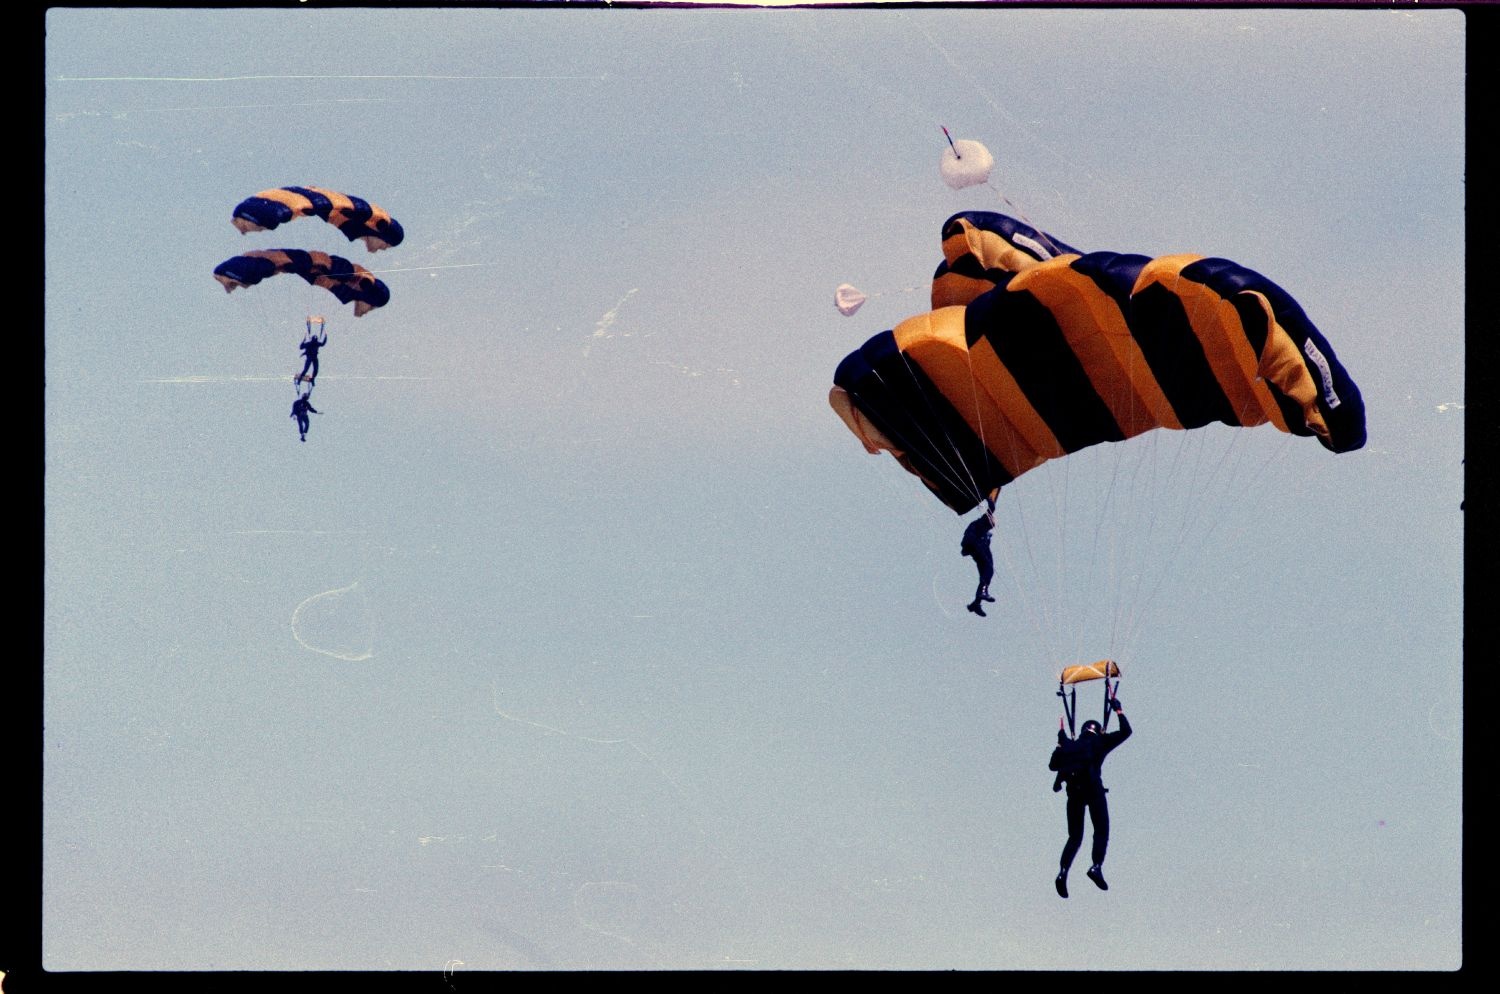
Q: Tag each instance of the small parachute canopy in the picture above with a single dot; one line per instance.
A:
(848, 299)
(355, 217)
(349, 282)
(965, 163)
(1104, 668)
(1034, 351)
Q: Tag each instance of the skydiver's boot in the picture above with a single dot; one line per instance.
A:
(984, 594)
(1062, 884)
(1096, 874)
(977, 608)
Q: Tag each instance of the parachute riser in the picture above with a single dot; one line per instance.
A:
(1067, 689)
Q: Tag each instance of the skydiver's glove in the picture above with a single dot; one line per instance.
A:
(1114, 702)
(1057, 784)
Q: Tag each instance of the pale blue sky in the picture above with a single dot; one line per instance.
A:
(653, 666)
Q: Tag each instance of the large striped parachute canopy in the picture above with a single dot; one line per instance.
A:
(1034, 350)
(356, 218)
(348, 281)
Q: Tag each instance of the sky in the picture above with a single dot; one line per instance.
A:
(580, 634)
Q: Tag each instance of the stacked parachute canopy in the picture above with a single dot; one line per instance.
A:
(348, 281)
(356, 218)
(981, 249)
(1034, 351)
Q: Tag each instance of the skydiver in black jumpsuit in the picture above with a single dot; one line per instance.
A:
(976, 544)
(1078, 764)
(310, 346)
(300, 407)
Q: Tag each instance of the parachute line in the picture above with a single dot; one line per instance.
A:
(950, 475)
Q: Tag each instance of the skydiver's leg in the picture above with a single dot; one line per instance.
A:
(1075, 831)
(1099, 814)
(986, 563)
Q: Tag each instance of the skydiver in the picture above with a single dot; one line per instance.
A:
(1078, 763)
(309, 347)
(300, 407)
(976, 544)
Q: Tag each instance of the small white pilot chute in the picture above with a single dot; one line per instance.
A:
(965, 163)
(848, 299)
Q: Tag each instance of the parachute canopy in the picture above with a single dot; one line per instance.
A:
(356, 218)
(1104, 668)
(848, 299)
(348, 281)
(1034, 351)
(965, 163)
(982, 249)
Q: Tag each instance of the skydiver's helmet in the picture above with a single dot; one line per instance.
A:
(1092, 726)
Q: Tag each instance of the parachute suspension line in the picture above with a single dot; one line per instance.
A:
(1112, 560)
(1149, 478)
(1033, 603)
(1144, 482)
(1130, 519)
(1225, 471)
(1199, 475)
(1058, 490)
(1105, 511)
(955, 477)
(908, 442)
(958, 456)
